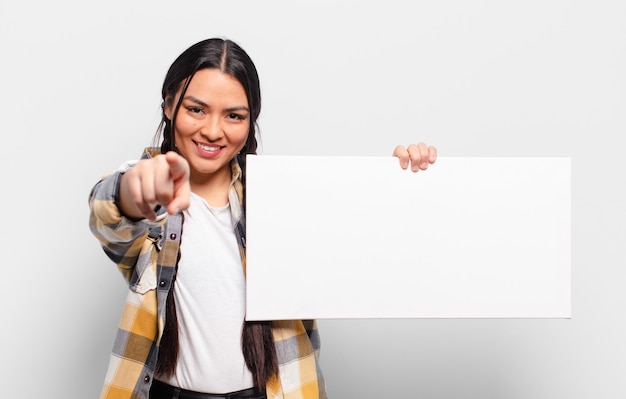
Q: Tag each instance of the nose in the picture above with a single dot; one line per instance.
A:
(212, 129)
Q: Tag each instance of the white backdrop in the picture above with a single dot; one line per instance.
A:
(80, 95)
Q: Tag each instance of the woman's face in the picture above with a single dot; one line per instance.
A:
(212, 123)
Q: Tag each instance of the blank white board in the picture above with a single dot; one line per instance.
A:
(358, 237)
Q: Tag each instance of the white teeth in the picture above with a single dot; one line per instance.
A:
(208, 147)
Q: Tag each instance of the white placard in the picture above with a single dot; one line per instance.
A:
(358, 237)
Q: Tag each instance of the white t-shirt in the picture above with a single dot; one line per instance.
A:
(210, 303)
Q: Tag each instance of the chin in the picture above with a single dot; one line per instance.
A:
(211, 169)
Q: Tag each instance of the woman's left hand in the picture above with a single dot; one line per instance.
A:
(419, 156)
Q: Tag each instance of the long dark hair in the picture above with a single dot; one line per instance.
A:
(256, 338)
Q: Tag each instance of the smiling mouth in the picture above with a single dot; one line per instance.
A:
(206, 147)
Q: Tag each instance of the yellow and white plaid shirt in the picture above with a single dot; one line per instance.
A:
(146, 252)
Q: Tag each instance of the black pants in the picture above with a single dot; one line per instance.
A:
(161, 390)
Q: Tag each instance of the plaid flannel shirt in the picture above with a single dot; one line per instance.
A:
(145, 253)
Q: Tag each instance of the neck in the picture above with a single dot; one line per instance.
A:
(212, 187)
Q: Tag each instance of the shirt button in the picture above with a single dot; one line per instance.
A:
(173, 236)
(163, 283)
(146, 378)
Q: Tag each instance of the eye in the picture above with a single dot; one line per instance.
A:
(195, 110)
(236, 116)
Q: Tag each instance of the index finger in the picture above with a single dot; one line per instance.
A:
(178, 165)
(179, 172)
(403, 155)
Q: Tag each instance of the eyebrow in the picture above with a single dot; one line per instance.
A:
(203, 104)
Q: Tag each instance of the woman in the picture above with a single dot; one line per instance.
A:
(182, 333)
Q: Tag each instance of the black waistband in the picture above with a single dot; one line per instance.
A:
(160, 390)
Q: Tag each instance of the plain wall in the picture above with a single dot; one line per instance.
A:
(81, 94)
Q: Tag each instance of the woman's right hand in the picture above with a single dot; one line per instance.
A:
(162, 180)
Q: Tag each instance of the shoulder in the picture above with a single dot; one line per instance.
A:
(150, 152)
